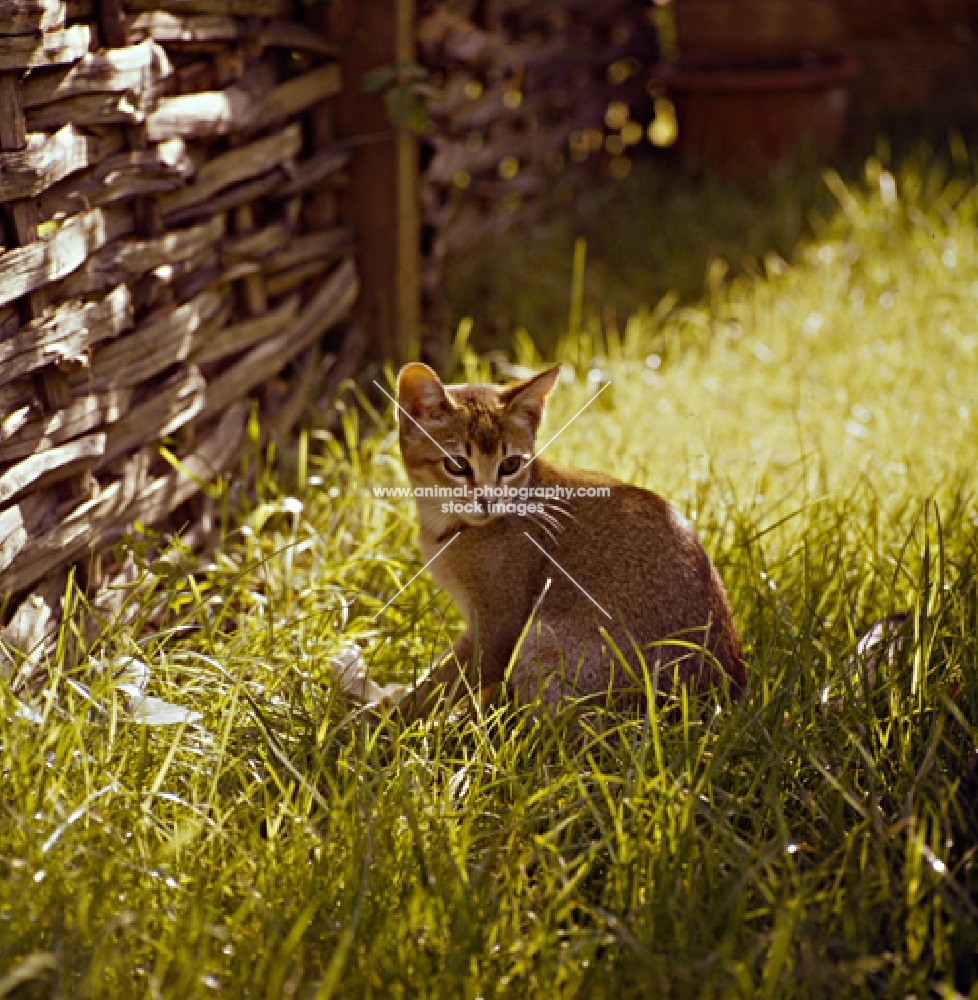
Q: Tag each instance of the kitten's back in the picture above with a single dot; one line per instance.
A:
(640, 562)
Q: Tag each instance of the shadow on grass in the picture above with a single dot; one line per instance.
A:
(656, 231)
(662, 229)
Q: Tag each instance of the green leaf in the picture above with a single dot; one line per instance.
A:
(398, 102)
(377, 79)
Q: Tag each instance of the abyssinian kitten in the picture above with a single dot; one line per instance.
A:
(589, 573)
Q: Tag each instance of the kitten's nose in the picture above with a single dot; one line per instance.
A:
(481, 498)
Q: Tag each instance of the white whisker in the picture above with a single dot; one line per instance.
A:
(533, 520)
(551, 520)
(553, 505)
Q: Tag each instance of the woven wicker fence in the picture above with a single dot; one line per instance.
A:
(526, 87)
(169, 248)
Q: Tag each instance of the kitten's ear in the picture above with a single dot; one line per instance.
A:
(526, 399)
(420, 391)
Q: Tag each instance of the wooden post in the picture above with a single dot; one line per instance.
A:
(381, 202)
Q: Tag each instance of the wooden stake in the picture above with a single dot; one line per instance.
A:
(381, 202)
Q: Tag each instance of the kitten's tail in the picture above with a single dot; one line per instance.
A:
(881, 643)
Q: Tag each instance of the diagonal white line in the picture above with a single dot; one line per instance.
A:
(416, 575)
(569, 577)
(413, 421)
(564, 428)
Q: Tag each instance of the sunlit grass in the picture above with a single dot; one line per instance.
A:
(819, 423)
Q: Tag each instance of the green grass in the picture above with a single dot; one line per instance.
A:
(819, 422)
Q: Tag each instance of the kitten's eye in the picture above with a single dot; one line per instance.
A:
(510, 465)
(457, 467)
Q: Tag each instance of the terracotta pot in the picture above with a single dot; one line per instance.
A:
(752, 31)
(911, 20)
(758, 115)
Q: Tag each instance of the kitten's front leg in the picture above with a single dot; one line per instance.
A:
(450, 679)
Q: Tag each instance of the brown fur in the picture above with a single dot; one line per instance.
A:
(635, 555)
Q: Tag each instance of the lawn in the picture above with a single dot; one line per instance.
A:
(818, 417)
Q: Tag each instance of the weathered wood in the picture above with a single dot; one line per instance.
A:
(212, 113)
(50, 465)
(27, 17)
(244, 270)
(332, 303)
(173, 406)
(26, 268)
(195, 276)
(13, 129)
(17, 400)
(20, 524)
(261, 187)
(210, 30)
(283, 282)
(120, 177)
(112, 23)
(314, 170)
(127, 185)
(126, 260)
(35, 431)
(242, 336)
(9, 321)
(52, 48)
(232, 8)
(12, 396)
(32, 633)
(89, 109)
(381, 202)
(338, 368)
(160, 288)
(139, 256)
(311, 246)
(292, 35)
(23, 214)
(67, 334)
(321, 208)
(198, 75)
(80, 10)
(312, 367)
(77, 530)
(257, 245)
(154, 346)
(46, 160)
(163, 26)
(55, 388)
(232, 168)
(296, 95)
(252, 103)
(140, 69)
(162, 496)
(252, 287)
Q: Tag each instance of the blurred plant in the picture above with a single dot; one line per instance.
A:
(404, 92)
